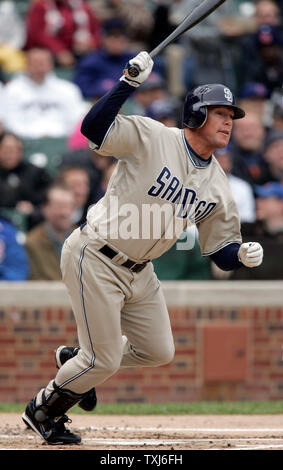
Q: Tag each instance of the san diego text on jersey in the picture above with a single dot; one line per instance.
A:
(169, 188)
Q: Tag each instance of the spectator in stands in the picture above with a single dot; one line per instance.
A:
(95, 165)
(44, 242)
(1, 107)
(13, 258)
(280, 6)
(38, 104)
(268, 231)
(261, 57)
(247, 149)
(68, 28)
(151, 90)
(22, 184)
(12, 38)
(77, 179)
(269, 206)
(136, 14)
(229, 19)
(273, 155)
(267, 12)
(96, 73)
(164, 111)
(252, 97)
(76, 139)
(106, 10)
(208, 43)
(276, 102)
(2, 79)
(250, 62)
(241, 189)
(106, 175)
(162, 25)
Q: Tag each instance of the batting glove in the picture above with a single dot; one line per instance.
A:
(250, 254)
(145, 63)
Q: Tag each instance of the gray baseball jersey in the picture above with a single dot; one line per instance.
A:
(157, 172)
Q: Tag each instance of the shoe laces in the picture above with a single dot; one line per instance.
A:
(60, 424)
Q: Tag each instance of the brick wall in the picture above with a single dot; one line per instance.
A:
(228, 338)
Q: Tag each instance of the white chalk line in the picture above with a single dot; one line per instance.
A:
(103, 439)
(161, 429)
(271, 446)
(110, 441)
(164, 442)
(159, 442)
(265, 447)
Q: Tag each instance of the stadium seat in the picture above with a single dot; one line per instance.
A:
(45, 152)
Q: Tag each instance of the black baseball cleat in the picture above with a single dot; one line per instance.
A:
(62, 355)
(53, 431)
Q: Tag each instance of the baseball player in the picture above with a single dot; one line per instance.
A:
(117, 300)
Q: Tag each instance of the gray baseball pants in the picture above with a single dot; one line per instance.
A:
(109, 301)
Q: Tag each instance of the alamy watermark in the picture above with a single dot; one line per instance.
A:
(146, 222)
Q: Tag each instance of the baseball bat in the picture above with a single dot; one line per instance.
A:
(201, 11)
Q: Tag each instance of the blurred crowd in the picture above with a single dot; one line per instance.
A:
(57, 57)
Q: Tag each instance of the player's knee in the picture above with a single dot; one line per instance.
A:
(169, 354)
(86, 358)
(103, 360)
(112, 367)
(108, 364)
(164, 354)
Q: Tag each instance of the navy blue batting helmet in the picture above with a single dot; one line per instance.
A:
(212, 94)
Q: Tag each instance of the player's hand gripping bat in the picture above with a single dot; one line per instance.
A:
(200, 12)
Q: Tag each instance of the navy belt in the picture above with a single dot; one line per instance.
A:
(130, 264)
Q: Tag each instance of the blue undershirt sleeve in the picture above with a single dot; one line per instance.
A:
(102, 114)
(227, 258)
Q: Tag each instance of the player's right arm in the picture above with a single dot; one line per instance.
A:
(101, 116)
(220, 236)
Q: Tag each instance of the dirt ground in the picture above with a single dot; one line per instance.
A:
(234, 432)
